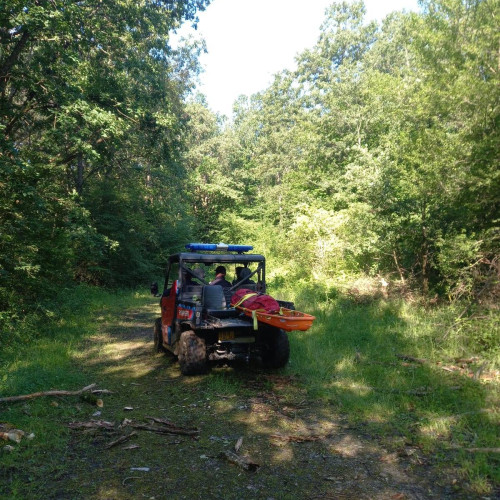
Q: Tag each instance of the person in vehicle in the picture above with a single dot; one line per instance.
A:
(220, 278)
(198, 274)
(245, 273)
(237, 279)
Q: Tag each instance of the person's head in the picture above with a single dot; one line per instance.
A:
(245, 273)
(220, 270)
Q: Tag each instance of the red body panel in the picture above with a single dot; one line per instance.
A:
(168, 312)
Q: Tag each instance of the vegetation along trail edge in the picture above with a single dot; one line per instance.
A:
(232, 433)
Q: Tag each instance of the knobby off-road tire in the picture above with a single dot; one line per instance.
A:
(157, 336)
(192, 354)
(277, 348)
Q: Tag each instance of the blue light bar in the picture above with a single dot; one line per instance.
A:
(239, 248)
(212, 247)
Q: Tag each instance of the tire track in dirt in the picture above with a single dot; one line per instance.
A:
(304, 449)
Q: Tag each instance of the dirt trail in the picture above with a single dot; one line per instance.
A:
(303, 449)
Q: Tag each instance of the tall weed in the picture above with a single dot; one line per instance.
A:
(403, 369)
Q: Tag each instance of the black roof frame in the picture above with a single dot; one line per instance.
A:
(207, 258)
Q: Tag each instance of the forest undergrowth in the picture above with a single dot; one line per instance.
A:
(405, 374)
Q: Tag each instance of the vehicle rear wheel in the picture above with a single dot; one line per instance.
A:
(157, 336)
(277, 348)
(192, 354)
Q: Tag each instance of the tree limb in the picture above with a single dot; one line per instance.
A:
(405, 357)
(11, 60)
(121, 439)
(47, 393)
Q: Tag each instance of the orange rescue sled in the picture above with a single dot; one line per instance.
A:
(286, 319)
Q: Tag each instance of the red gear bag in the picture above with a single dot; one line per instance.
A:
(254, 301)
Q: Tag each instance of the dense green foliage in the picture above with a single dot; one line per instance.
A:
(370, 169)
(92, 119)
(345, 365)
(377, 156)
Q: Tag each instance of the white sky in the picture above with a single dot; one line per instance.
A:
(249, 41)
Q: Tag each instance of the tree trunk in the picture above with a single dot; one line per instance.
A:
(11, 60)
(79, 175)
(425, 254)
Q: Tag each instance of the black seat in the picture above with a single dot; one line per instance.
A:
(213, 298)
(245, 282)
(191, 293)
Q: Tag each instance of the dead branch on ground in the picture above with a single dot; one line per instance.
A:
(296, 438)
(88, 388)
(466, 414)
(243, 462)
(121, 440)
(476, 450)
(92, 424)
(405, 357)
(165, 427)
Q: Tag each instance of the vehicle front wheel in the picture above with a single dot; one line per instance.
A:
(276, 348)
(192, 354)
(157, 336)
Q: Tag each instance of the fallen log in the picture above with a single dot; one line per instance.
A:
(10, 399)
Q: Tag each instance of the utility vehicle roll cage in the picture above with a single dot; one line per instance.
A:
(184, 258)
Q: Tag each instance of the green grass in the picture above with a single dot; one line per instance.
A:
(44, 357)
(349, 360)
(344, 365)
(44, 360)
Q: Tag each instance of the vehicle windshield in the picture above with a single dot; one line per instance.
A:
(235, 273)
(232, 273)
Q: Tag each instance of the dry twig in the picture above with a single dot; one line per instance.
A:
(476, 450)
(92, 424)
(238, 444)
(483, 450)
(121, 439)
(405, 357)
(243, 462)
(175, 429)
(465, 414)
(48, 393)
(166, 427)
(297, 439)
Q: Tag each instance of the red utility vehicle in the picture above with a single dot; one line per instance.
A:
(198, 323)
